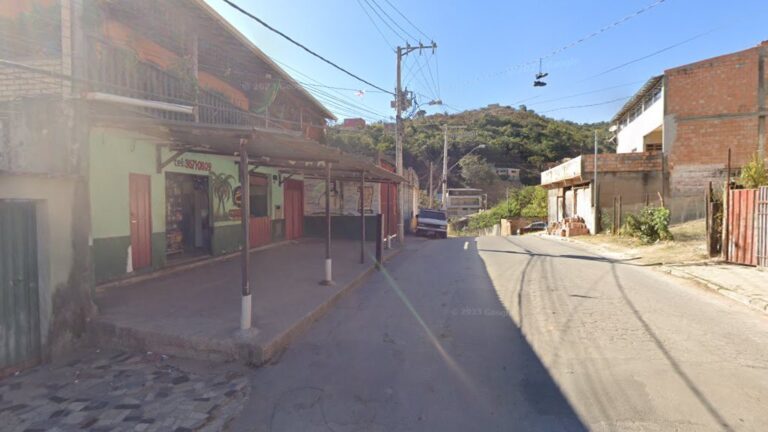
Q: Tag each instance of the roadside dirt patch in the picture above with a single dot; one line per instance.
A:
(689, 245)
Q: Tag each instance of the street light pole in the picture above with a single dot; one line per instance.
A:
(444, 181)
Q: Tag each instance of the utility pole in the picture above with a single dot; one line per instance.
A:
(445, 164)
(594, 193)
(444, 181)
(401, 102)
(431, 191)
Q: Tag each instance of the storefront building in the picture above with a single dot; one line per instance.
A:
(145, 219)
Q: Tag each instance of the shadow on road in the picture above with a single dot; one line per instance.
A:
(425, 345)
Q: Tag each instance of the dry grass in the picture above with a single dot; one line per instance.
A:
(689, 245)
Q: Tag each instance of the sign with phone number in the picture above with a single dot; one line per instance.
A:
(193, 164)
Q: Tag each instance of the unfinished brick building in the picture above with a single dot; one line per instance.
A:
(683, 122)
(711, 106)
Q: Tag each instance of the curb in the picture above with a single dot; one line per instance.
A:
(273, 347)
(756, 304)
(236, 348)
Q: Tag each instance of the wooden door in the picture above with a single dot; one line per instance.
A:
(294, 209)
(260, 221)
(141, 220)
(19, 301)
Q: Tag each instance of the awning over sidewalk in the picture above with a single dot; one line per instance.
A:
(287, 150)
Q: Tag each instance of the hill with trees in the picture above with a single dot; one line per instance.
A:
(513, 137)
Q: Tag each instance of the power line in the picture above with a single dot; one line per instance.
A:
(376, 26)
(586, 106)
(675, 45)
(415, 39)
(407, 20)
(605, 28)
(288, 38)
(588, 92)
(386, 23)
(339, 88)
(574, 43)
(311, 79)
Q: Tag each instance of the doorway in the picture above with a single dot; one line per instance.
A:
(187, 216)
(20, 317)
(260, 221)
(140, 205)
(294, 209)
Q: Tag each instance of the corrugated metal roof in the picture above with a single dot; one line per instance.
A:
(261, 55)
(638, 97)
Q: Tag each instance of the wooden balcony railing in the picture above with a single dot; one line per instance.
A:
(117, 71)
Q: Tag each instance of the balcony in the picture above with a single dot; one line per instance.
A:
(116, 71)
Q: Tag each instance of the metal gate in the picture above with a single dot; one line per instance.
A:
(761, 225)
(741, 227)
(19, 302)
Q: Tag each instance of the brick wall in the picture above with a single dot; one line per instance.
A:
(16, 83)
(725, 84)
(711, 106)
(622, 162)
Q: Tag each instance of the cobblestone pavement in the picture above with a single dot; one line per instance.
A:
(101, 390)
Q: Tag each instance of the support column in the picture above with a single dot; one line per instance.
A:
(387, 217)
(245, 212)
(362, 217)
(328, 263)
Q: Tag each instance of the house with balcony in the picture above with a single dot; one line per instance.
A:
(640, 122)
(122, 141)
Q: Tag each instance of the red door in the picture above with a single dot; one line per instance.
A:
(389, 198)
(260, 222)
(140, 220)
(294, 209)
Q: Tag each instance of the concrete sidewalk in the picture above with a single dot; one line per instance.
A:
(196, 313)
(747, 285)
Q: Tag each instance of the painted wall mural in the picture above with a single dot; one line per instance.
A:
(345, 198)
(223, 188)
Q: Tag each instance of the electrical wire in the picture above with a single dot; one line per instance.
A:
(386, 23)
(571, 44)
(407, 20)
(311, 79)
(655, 53)
(415, 39)
(376, 26)
(586, 106)
(298, 44)
(588, 92)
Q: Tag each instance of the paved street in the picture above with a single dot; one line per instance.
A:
(98, 390)
(436, 344)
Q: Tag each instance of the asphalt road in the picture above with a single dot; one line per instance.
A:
(520, 333)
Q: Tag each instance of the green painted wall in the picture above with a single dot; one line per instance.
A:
(116, 153)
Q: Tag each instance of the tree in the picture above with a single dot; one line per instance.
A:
(754, 175)
(476, 172)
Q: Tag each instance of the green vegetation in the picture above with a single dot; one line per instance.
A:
(754, 174)
(514, 137)
(476, 172)
(650, 225)
(529, 201)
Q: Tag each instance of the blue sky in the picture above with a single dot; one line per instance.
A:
(488, 50)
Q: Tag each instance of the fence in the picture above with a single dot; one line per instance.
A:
(741, 235)
(762, 227)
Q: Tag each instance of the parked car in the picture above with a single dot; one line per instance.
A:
(534, 227)
(432, 223)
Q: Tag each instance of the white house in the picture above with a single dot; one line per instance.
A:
(512, 174)
(640, 122)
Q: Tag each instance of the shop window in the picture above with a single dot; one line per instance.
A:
(259, 196)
